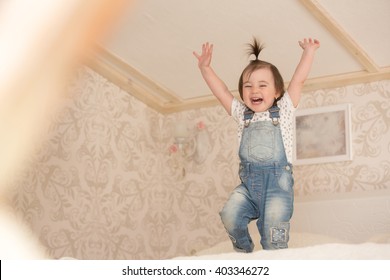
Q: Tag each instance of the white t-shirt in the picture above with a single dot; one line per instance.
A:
(286, 112)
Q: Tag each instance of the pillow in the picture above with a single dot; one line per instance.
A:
(297, 240)
(380, 238)
(305, 239)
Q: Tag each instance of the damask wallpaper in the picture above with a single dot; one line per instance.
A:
(369, 170)
(106, 184)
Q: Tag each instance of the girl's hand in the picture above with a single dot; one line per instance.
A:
(204, 59)
(309, 44)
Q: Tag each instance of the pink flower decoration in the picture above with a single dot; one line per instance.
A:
(200, 125)
(173, 149)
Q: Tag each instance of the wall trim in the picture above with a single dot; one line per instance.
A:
(165, 102)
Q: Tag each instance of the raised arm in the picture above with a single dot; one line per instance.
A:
(216, 85)
(294, 89)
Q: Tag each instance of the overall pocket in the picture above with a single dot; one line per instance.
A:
(285, 179)
(261, 143)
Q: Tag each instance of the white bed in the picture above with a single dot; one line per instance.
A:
(329, 251)
(333, 227)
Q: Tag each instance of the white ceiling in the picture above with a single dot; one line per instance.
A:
(150, 53)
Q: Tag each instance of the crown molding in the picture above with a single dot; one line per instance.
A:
(165, 102)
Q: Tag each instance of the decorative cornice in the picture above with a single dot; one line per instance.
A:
(165, 102)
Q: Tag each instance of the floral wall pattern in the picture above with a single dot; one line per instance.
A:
(369, 170)
(104, 185)
(91, 186)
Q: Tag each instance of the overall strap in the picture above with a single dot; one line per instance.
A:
(248, 115)
(274, 114)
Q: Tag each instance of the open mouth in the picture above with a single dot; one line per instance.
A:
(258, 100)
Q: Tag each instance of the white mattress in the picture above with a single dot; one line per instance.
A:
(330, 251)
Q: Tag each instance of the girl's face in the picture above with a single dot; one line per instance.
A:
(258, 90)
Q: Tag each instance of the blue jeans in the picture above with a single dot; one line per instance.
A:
(265, 193)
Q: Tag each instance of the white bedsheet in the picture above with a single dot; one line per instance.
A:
(332, 251)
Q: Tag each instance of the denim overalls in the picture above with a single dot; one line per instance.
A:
(266, 189)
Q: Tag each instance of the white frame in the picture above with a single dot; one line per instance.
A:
(337, 139)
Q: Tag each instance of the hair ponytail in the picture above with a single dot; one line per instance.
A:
(255, 48)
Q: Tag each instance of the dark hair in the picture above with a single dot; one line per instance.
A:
(254, 49)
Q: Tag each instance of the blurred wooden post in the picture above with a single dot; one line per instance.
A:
(41, 42)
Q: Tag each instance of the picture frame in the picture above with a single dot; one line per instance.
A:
(322, 135)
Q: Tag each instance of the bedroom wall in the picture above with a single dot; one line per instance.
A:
(104, 185)
(91, 191)
(369, 170)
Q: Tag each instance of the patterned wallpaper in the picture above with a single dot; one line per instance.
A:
(369, 170)
(106, 184)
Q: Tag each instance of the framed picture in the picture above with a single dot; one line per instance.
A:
(322, 134)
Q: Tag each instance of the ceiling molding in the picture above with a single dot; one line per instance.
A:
(342, 36)
(166, 105)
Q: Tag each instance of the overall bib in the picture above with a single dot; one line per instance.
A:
(266, 189)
